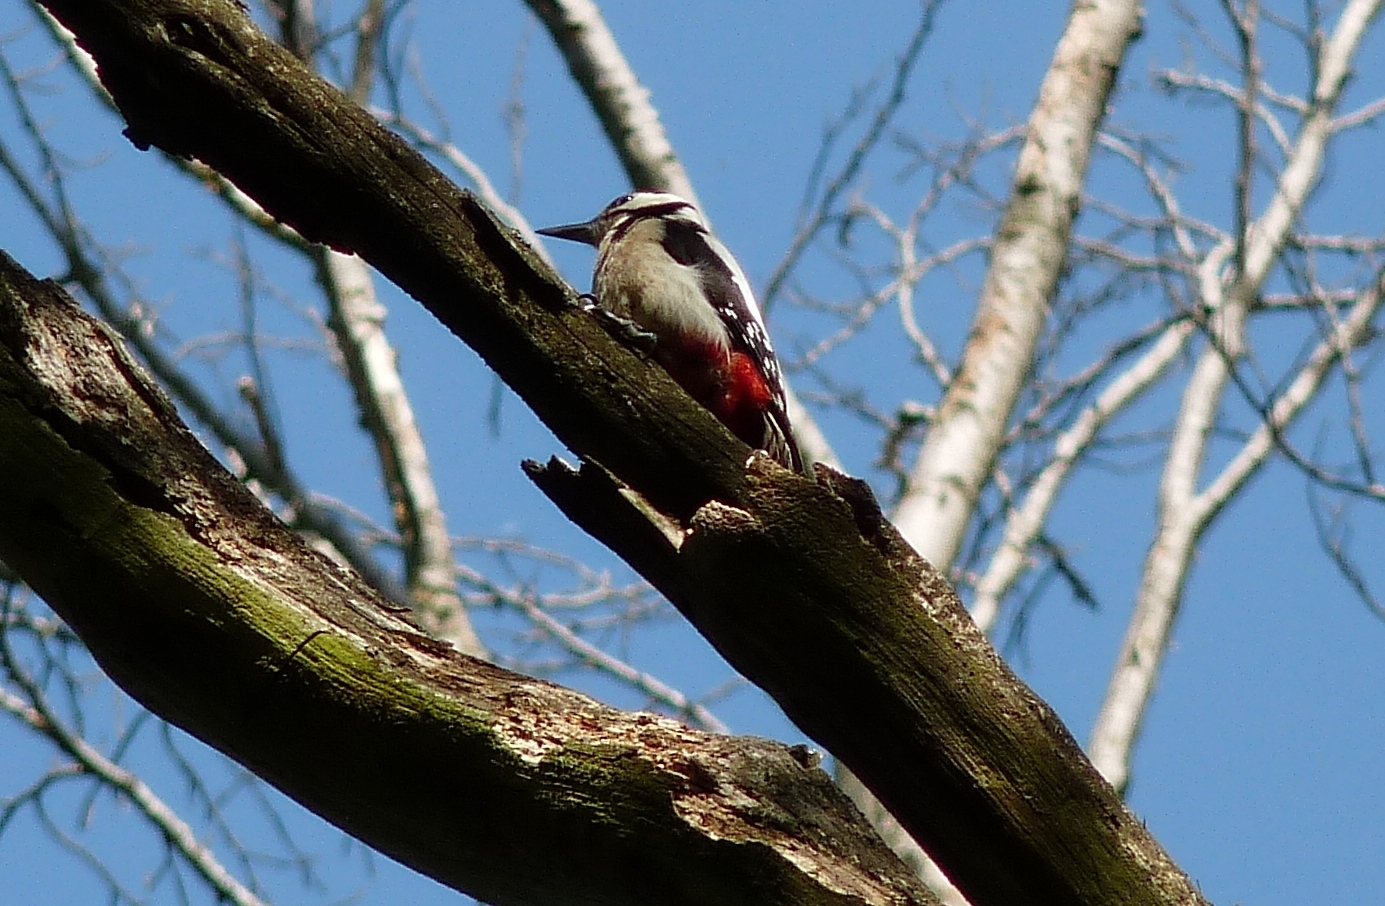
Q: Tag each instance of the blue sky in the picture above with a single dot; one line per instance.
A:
(1261, 765)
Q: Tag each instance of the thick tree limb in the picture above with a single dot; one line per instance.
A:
(197, 79)
(803, 585)
(968, 434)
(818, 600)
(203, 605)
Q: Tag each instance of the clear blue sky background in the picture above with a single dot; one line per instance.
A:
(1263, 762)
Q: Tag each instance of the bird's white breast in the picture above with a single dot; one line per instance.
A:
(637, 279)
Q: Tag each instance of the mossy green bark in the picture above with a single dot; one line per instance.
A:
(965, 756)
(204, 607)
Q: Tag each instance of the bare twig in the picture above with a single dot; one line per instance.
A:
(620, 102)
(824, 213)
(1184, 513)
(1026, 261)
(31, 706)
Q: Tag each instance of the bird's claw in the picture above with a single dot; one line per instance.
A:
(623, 328)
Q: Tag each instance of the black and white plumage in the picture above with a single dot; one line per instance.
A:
(659, 266)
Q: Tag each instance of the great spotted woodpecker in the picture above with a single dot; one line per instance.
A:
(659, 266)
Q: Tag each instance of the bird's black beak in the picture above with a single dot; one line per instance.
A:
(577, 232)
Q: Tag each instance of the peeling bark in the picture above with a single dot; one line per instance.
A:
(201, 604)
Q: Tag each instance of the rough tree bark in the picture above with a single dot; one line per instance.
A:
(200, 603)
(968, 434)
(861, 642)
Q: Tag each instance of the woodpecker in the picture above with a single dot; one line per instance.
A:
(659, 267)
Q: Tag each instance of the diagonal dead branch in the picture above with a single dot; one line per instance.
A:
(203, 605)
(802, 585)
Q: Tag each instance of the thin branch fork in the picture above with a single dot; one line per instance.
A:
(803, 585)
(35, 710)
(1184, 512)
(310, 515)
(965, 440)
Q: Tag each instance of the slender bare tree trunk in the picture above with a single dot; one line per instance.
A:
(1027, 260)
